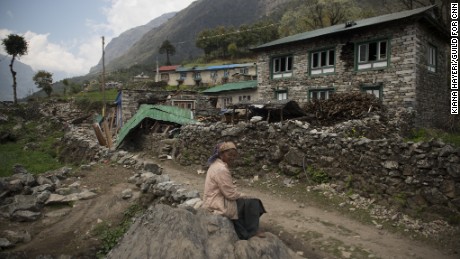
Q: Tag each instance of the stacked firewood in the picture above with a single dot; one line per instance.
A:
(342, 107)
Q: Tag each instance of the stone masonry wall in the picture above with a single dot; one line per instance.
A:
(407, 41)
(418, 178)
(433, 93)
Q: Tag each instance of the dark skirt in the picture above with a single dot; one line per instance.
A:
(249, 212)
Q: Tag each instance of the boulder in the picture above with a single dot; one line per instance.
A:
(167, 232)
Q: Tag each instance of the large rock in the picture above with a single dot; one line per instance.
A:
(166, 232)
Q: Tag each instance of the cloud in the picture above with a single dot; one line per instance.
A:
(55, 58)
(76, 56)
(126, 14)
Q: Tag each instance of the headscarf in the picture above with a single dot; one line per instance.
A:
(218, 149)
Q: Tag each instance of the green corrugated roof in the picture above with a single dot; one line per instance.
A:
(341, 27)
(157, 112)
(243, 85)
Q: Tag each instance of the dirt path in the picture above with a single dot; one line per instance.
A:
(304, 227)
(318, 233)
(68, 230)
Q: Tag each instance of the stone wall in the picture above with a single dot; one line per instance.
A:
(364, 156)
(407, 71)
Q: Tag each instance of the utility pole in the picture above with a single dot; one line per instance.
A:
(157, 74)
(103, 75)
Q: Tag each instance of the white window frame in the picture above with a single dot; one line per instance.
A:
(380, 59)
(324, 65)
(282, 67)
(432, 58)
(376, 90)
(313, 94)
(244, 98)
(281, 95)
(227, 101)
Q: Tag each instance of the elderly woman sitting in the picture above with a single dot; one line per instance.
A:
(221, 196)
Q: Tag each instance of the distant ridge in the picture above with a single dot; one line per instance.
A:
(182, 29)
(121, 44)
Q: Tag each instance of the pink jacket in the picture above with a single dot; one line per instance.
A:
(220, 193)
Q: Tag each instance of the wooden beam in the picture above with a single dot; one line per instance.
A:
(108, 134)
(99, 134)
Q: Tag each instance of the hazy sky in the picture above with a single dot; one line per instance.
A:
(64, 36)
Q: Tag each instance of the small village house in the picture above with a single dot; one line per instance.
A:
(401, 58)
(207, 75)
(223, 96)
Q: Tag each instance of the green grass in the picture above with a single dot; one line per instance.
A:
(424, 134)
(110, 95)
(35, 162)
(35, 144)
(110, 234)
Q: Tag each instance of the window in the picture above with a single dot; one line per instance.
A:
(226, 73)
(322, 62)
(197, 76)
(183, 75)
(373, 55)
(184, 104)
(244, 98)
(282, 67)
(213, 74)
(375, 89)
(281, 95)
(432, 56)
(165, 77)
(244, 70)
(320, 94)
(227, 101)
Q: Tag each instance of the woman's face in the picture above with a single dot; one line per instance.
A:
(229, 156)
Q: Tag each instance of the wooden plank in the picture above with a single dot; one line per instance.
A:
(166, 129)
(112, 118)
(156, 127)
(108, 134)
(99, 134)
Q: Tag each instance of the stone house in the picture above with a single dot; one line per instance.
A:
(402, 58)
(223, 96)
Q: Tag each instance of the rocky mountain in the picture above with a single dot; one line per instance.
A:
(121, 44)
(182, 29)
(25, 84)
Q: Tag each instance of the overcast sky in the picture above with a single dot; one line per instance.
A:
(64, 36)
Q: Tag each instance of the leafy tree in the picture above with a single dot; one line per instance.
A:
(215, 42)
(232, 49)
(169, 49)
(315, 14)
(66, 85)
(44, 80)
(15, 46)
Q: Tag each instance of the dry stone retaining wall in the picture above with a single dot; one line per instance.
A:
(418, 178)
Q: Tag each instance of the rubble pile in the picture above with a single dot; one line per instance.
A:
(342, 107)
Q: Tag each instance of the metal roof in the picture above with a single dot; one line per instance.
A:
(242, 85)
(217, 67)
(168, 68)
(156, 112)
(342, 28)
